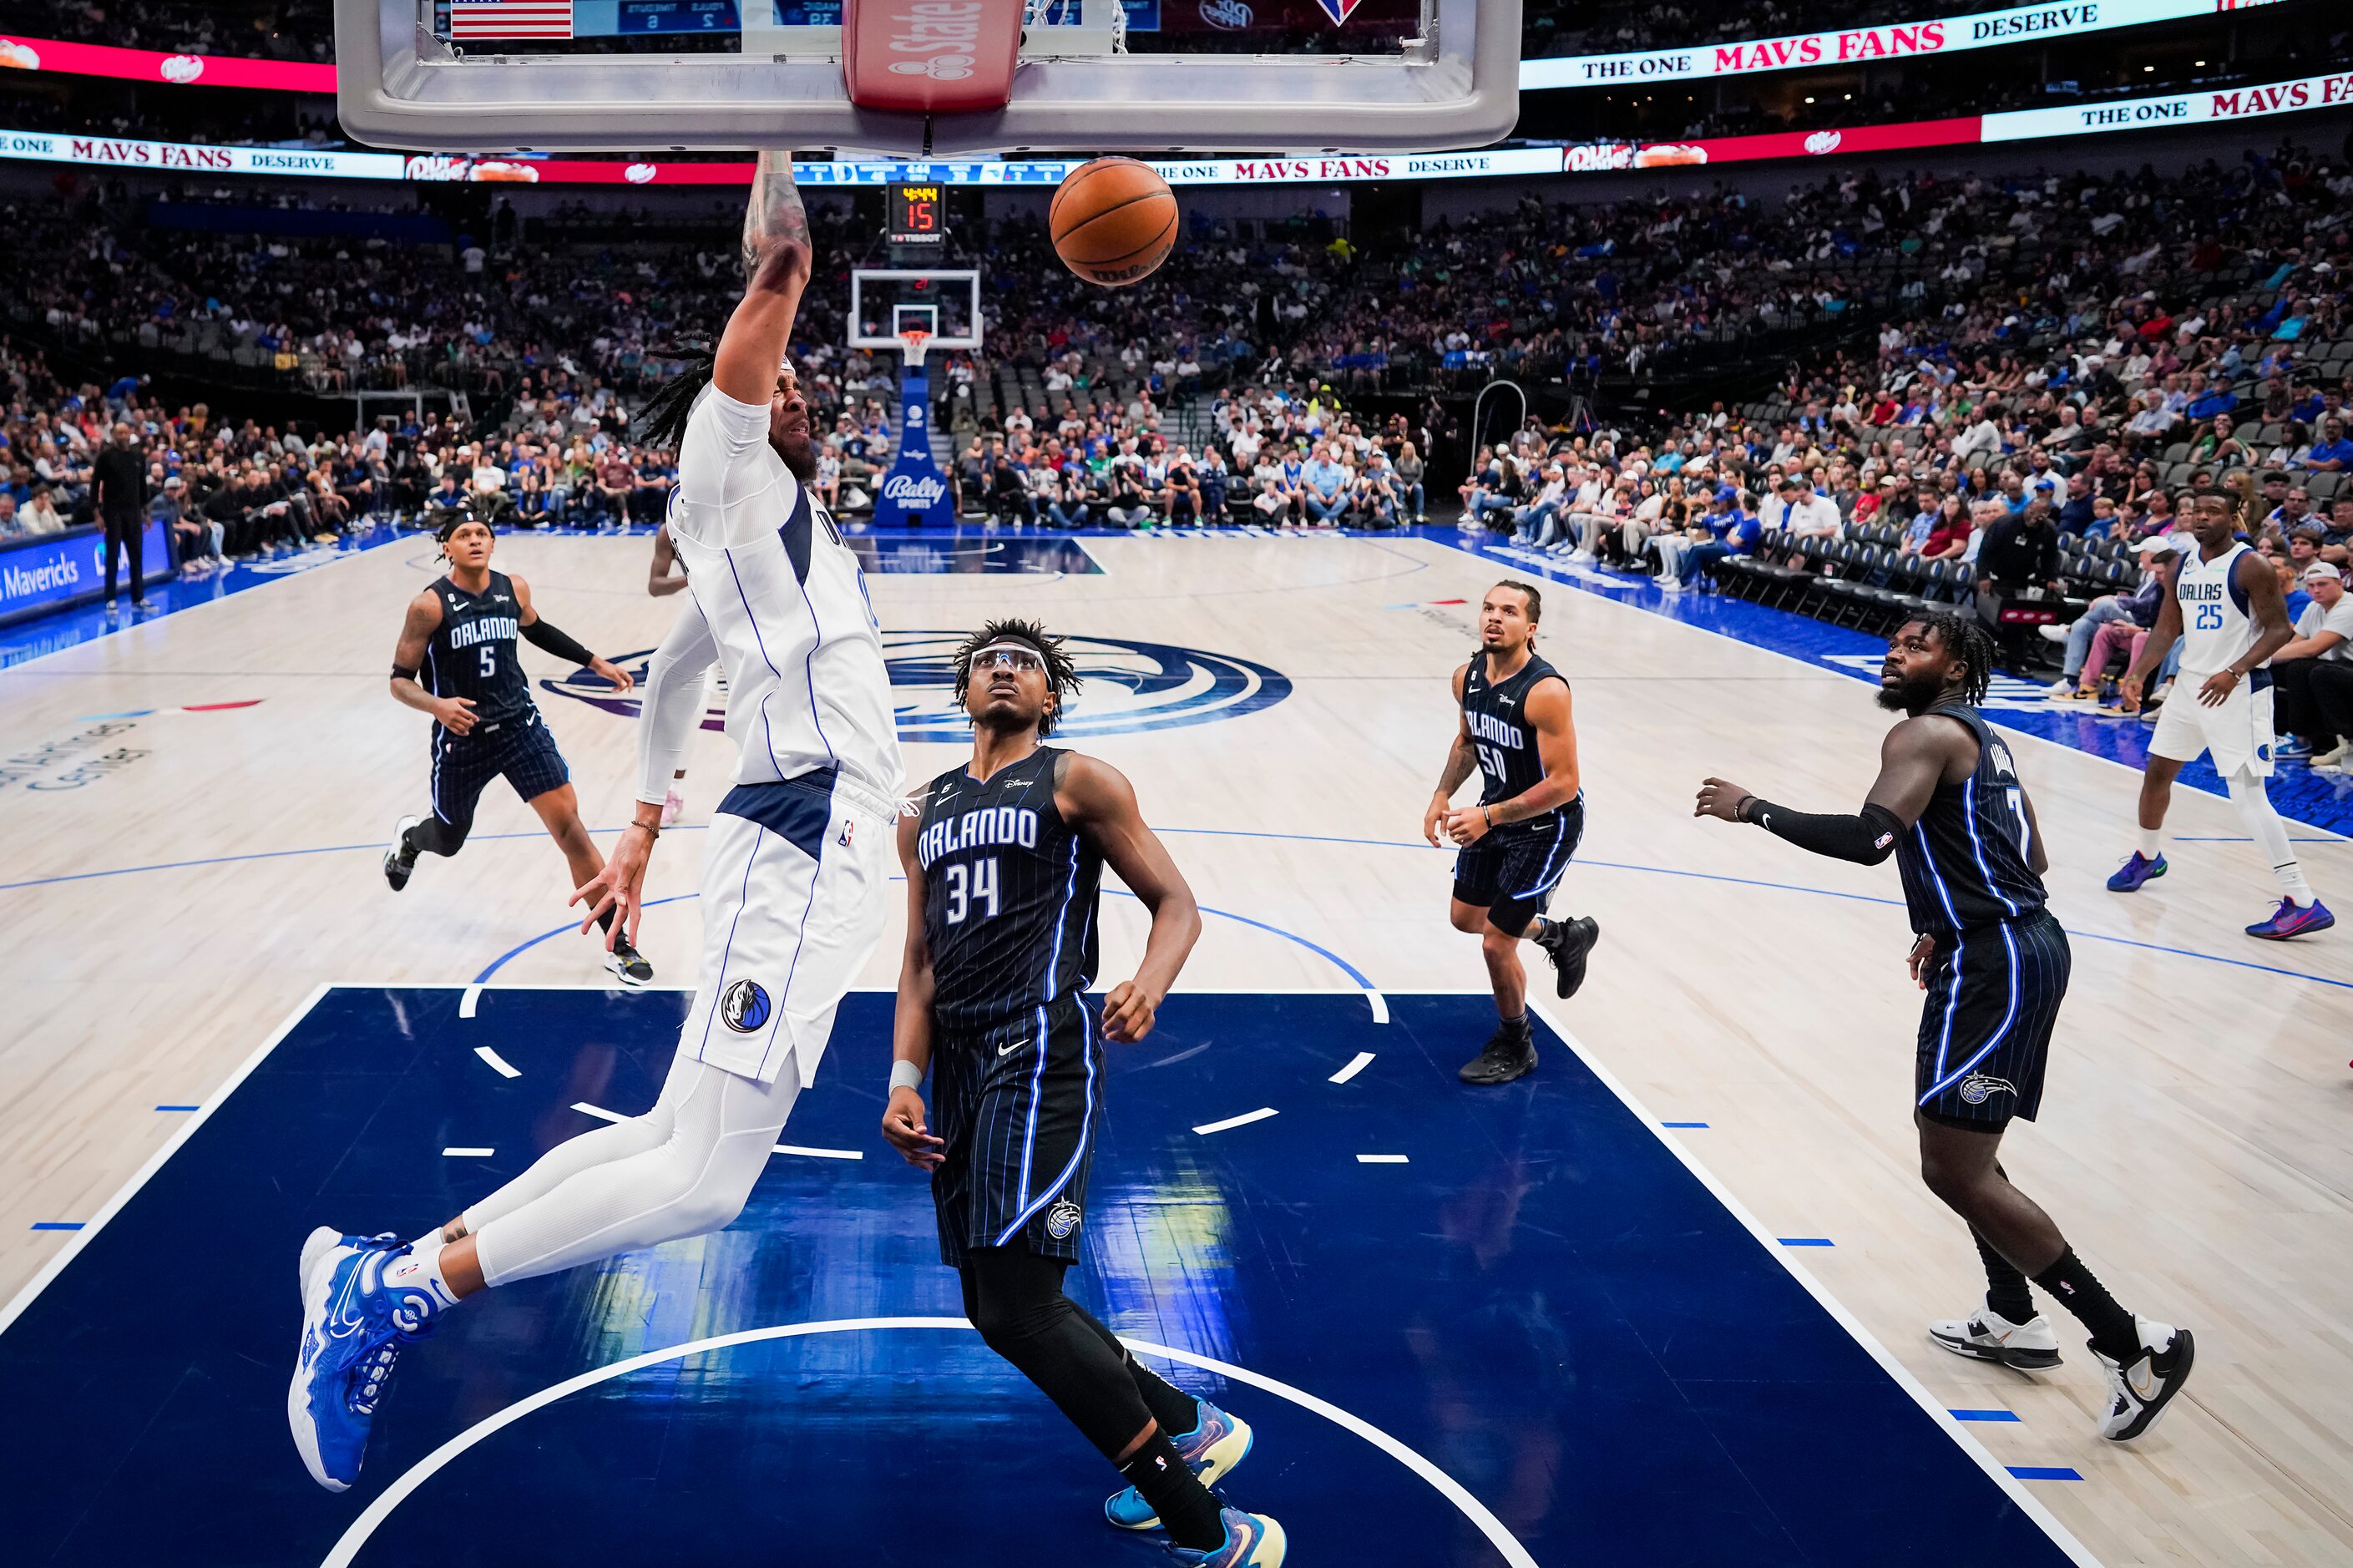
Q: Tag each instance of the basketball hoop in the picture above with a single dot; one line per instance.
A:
(912, 344)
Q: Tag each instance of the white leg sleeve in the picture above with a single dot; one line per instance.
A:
(598, 1146)
(722, 1129)
(2270, 834)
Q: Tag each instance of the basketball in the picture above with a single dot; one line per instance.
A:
(1113, 221)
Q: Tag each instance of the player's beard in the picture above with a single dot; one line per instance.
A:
(800, 456)
(1916, 694)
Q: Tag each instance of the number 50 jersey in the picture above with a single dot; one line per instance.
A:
(1009, 893)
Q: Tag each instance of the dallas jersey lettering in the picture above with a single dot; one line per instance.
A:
(2218, 626)
(1009, 893)
(1495, 714)
(1965, 862)
(472, 655)
(784, 612)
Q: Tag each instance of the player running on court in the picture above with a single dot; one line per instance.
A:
(1518, 735)
(793, 890)
(1002, 866)
(459, 641)
(2225, 606)
(1949, 803)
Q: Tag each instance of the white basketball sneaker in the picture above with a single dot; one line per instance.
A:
(2140, 1392)
(1985, 1336)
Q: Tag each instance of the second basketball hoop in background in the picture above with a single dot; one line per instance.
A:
(1113, 221)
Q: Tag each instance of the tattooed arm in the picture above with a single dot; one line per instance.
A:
(777, 258)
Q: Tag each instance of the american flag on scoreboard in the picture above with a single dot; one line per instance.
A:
(510, 18)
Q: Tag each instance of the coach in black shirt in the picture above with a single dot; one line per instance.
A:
(119, 484)
(2020, 552)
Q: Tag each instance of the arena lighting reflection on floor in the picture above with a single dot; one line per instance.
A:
(1543, 1306)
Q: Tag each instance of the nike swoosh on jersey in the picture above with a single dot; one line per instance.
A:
(1008, 1051)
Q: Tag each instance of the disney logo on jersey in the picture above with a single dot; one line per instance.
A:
(1129, 687)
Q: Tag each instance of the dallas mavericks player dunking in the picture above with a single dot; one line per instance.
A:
(1949, 803)
(1002, 866)
(1517, 734)
(793, 885)
(2227, 609)
(459, 638)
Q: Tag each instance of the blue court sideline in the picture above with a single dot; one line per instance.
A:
(1577, 1354)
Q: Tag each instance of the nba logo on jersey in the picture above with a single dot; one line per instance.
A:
(1062, 1219)
(743, 1006)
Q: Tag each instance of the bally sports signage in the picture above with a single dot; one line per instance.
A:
(1862, 45)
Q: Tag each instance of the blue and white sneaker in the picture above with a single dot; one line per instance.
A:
(2289, 920)
(1216, 1445)
(1252, 1541)
(2136, 871)
(353, 1328)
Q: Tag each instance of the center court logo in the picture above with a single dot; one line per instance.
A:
(1130, 687)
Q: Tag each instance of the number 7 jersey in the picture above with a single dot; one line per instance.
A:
(1009, 893)
(1966, 862)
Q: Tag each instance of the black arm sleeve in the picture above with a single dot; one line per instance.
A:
(1865, 838)
(545, 637)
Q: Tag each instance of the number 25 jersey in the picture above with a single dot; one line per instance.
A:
(1009, 892)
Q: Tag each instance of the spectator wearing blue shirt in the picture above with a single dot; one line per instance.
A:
(2213, 400)
(1733, 529)
(1325, 485)
(2333, 453)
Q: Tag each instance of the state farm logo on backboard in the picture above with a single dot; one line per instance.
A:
(945, 32)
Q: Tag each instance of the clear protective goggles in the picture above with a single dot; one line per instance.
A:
(1018, 657)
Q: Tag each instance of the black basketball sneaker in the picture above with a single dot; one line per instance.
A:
(1567, 943)
(400, 859)
(1511, 1053)
(628, 966)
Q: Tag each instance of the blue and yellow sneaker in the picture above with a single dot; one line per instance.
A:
(1252, 1541)
(2289, 920)
(1216, 1445)
(2136, 871)
(353, 1328)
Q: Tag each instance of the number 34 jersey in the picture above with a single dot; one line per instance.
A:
(1009, 894)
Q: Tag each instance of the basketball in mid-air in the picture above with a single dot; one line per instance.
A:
(1113, 221)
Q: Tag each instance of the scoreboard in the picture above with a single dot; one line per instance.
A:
(915, 223)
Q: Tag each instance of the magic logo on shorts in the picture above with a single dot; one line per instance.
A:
(1062, 1219)
(1978, 1087)
(1129, 687)
(743, 1006)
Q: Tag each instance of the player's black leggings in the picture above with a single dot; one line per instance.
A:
(1015, 1299)
(435, 837)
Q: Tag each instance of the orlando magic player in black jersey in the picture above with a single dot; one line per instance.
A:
(1517, 733)
(1949, 805)
(458, 641)
(1002, 865)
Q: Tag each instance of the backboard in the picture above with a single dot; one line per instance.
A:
(929, 77)
(885, 302)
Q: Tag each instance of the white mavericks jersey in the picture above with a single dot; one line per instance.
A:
(2217, 626)
(780, 604)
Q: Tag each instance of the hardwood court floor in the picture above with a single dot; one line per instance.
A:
(2193, 1144)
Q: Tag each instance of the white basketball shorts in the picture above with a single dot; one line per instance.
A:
(2237, 732)
(794, 887)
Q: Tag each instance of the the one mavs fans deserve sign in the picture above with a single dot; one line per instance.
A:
(1129, 687)
(914, 491)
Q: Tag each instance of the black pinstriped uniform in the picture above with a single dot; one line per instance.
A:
(472, 655)
(2001, 967)
(1512, 869)
(1017, 1054)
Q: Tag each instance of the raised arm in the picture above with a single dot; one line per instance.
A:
(904, 1124)
(1917, 755)
(776, 262)
(1095, 796)
(1462, 762)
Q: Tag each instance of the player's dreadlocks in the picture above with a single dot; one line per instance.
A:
(1966, 638)
(662, 421)
(1061, 674)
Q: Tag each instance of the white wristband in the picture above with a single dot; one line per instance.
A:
(905, 1075)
